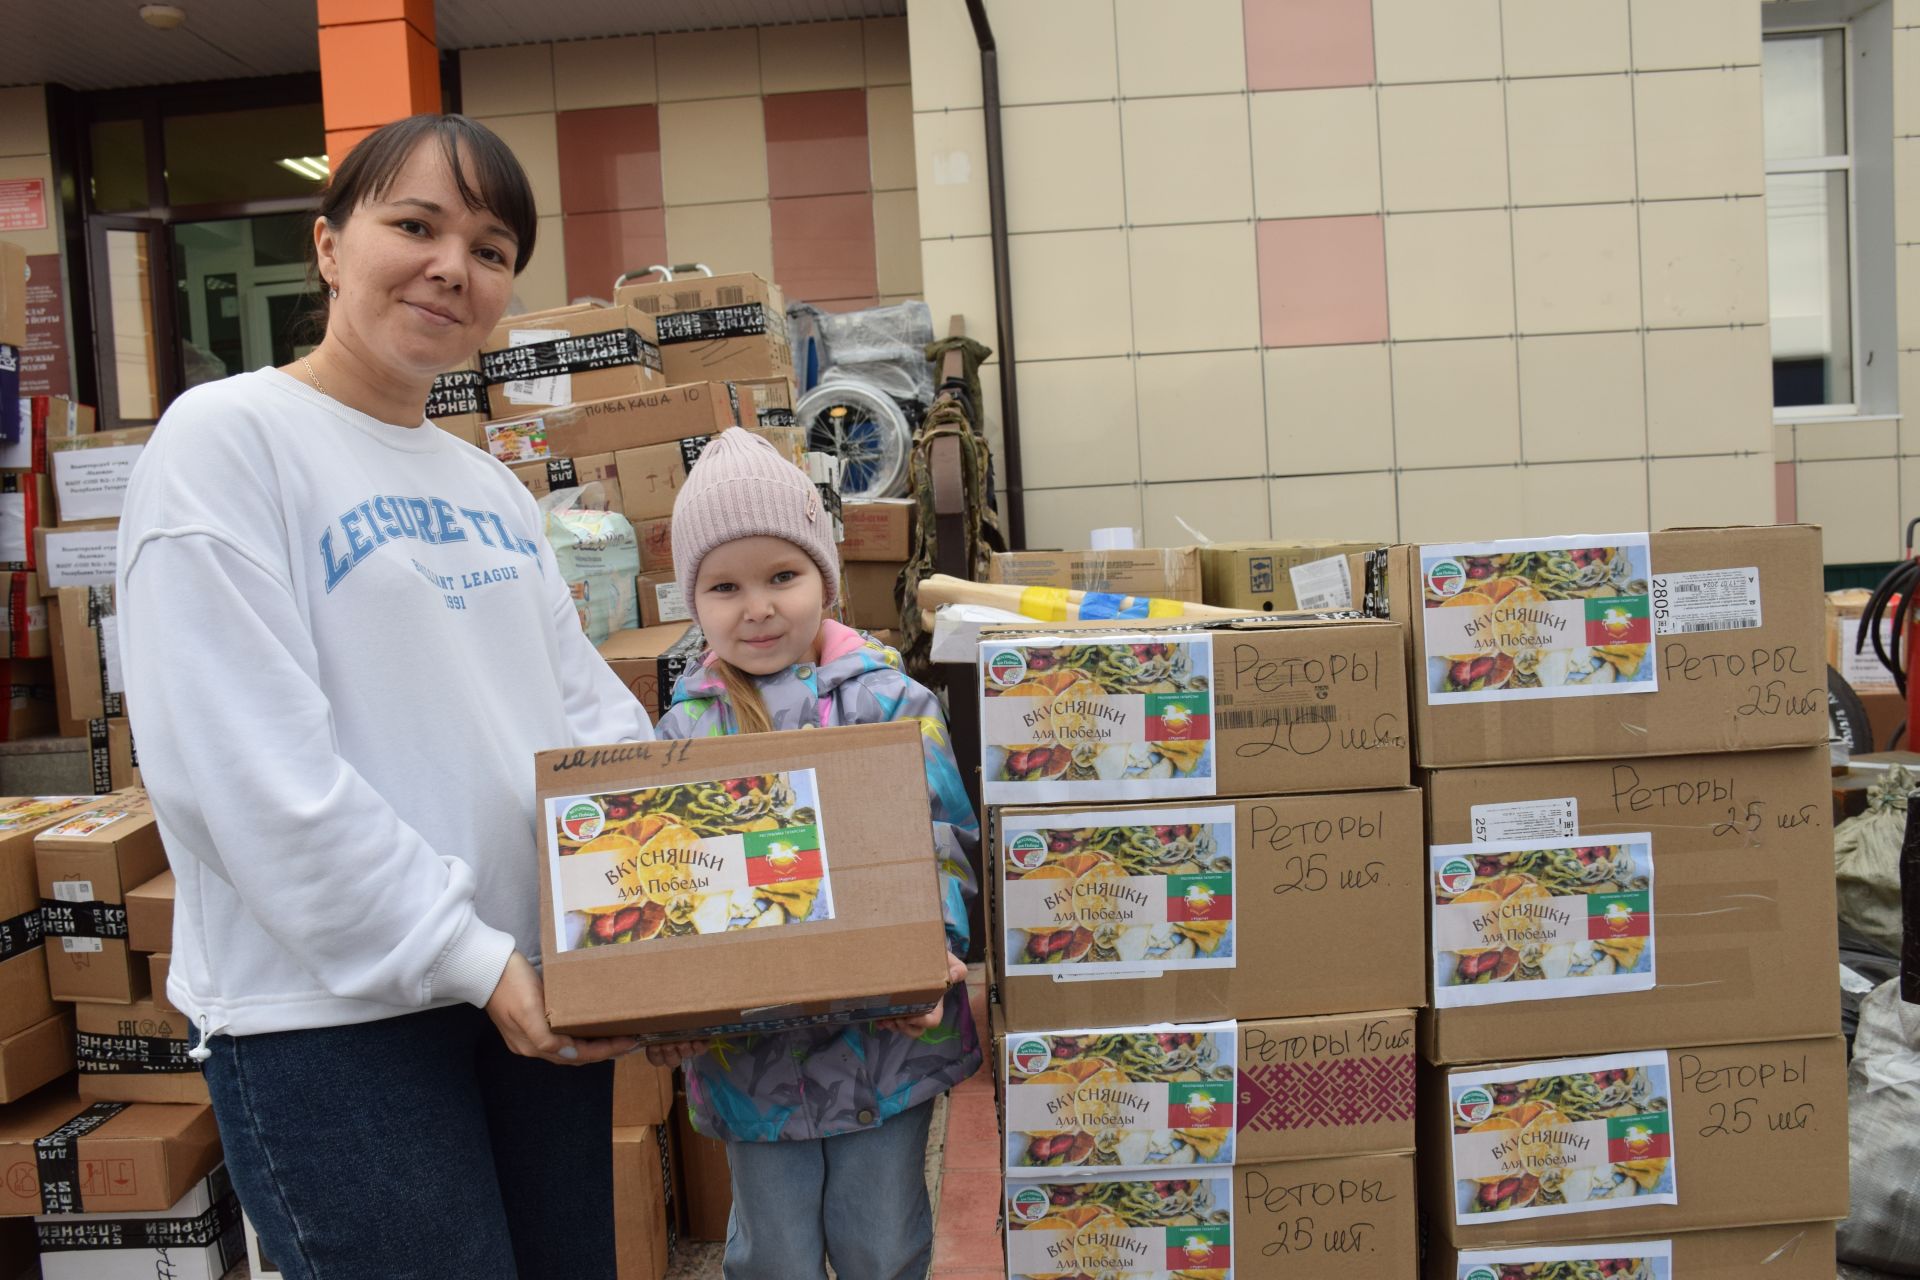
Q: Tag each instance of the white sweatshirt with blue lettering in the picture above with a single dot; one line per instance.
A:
(343, 642)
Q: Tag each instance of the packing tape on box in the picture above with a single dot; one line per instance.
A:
(20, 935)
(131, 1055)
(455, 394)
(57, 1158)
(82, 919)
(201, 1231)
(101, 613)
(575, 353)
(713, 323)
(100, 756)
(663, 1139)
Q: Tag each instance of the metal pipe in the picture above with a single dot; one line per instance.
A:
(1002, 274)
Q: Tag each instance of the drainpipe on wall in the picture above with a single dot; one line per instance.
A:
(1002, 275)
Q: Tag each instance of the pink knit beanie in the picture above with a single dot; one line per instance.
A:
(742, 488)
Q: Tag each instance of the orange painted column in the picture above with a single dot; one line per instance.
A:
(378, 64)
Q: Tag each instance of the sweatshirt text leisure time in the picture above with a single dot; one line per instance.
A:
(343, 642)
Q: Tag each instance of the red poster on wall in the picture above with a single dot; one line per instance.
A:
(44, 369)
(23, 204)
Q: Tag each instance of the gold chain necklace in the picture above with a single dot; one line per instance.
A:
(308, 365)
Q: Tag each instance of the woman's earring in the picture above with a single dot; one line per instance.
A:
(332, 293)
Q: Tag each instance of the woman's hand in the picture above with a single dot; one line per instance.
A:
(675, 1053)
(913, 1026)
(518, 1008)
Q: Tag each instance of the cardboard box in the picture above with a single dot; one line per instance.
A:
(45, 418)
(656, 544)
(1349, 1218)
(704, 1182)
(661, 600)
(82, 555)
(1718, 690)
(544, 476)
(651, 474)
(136, 1053)
(90, 473)
(157, 967)
(1270, 576)
(112, 754)
(1293, 705)
(150, 914)
(1172, 573)
(721, 327)
(642, 1092)
(1334, 1085)
(24, 996)
(1742, 884)
(458, 403)
(643, 1240)
(13, 296)
(771, 401)
(27, 634)
(649, 660)
(866, 597)
(551, 359)
(1758, 1135)
(858, 794)
(39, 1055)
(84, 629)
(1789, 1251)
(138, 1159)
(199, 1238)
(87, 861)
(1311, 877)
(1862, 669)
(877, 529)
(32, 711)
(608, 426)
(26, 504)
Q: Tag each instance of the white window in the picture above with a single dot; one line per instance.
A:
(1810, 172)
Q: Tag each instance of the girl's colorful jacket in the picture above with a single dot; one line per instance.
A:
(820, 1081)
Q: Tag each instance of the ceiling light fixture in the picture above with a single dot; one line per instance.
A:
(162, 17)
(312, 168)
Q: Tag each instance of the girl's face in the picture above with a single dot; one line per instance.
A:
(760, 602)
(422, 278)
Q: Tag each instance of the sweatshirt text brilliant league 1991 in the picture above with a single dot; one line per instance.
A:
(343, 642)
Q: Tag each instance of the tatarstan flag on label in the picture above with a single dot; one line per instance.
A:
(1202, 1104)
(1619, 620)
(1191, 898)
(1176, 717)
(1643, 1137)
(1198, 1248)
(1619, 915)
(791, 853)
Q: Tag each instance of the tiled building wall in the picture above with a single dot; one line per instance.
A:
(782, 150)
(1407, 268)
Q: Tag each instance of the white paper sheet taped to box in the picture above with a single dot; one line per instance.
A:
(82, 557)
(1323, 584)
(91, 484)
(555, 389)
(110, 653)
(15, 537)
(1864, 670)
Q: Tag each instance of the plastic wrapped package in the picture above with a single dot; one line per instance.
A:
(884, 346)
(1884, 1119)
(599, 557)
(1866, 862)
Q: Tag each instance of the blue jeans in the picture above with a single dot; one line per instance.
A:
(858, 1200)
(417, 1148)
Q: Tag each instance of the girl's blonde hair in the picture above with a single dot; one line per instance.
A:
(749, 708)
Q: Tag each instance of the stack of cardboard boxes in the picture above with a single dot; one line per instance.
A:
(877, 540)
(1205, 904)
(1633, 1048)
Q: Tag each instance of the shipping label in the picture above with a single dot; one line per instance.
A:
(1638, 1260)
(1322, 584)
(1708, 600)
(687, 858)
(1121, 1228)
(91, 484)
(513, 442)
(82, 557)
(1537, 618)
(1541, 920)
(1134, 1098)
(1100, 718)
(555, 388)
(1556, 819)
(1577, 1135)
(1118, 893)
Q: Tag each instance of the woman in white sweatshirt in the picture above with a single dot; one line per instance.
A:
(344, 638)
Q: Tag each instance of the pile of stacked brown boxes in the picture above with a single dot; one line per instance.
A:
(1205, 897)
(878, 537)
(133, 1132)
(1633, 1048)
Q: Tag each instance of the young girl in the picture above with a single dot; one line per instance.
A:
(826, 1128)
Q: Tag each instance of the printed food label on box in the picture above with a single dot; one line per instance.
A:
(1708, 600)
(513, 442)
(1096, 719)
(1577, 1135)
(1637, 1260)
(90, 823)
(1133, 1098)
(688, 858)
(1121, 1228)
(15, 814)
(1557, 819)
(1119, 893)
(1537, 618)
(1538, 920)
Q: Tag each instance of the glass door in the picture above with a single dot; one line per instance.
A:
(133, 321)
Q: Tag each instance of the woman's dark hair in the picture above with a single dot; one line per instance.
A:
(496, 183)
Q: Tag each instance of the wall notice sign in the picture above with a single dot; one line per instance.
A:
(23, 204)
(43, 361)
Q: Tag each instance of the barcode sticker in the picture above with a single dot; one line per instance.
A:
(557, 389)
(1557, 819)
(672, 602)
(73, 891)
(1322, 584)
(71, 945)
(1262, 717)
(1706, 600)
